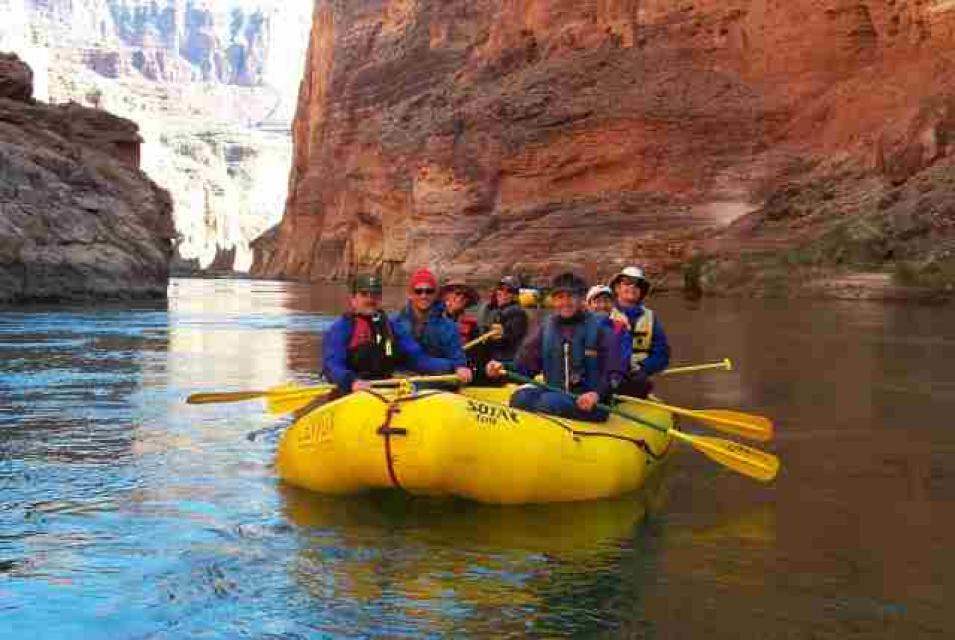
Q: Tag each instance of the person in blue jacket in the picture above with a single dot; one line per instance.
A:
(424, 318)
(576, 350)
(646, 343)
(364, 345)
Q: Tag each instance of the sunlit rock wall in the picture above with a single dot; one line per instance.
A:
(480, 135)
(212, 85)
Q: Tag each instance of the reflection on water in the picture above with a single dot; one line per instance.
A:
(127, 513)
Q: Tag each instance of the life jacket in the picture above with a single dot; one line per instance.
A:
(641, 333)
(584, 363)
(467, 327)
(371, 346)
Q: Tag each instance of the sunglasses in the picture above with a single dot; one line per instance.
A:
(424, 291)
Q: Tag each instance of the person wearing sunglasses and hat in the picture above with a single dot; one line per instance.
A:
(576, 350)
(457, 297)
(647, 346)
(363, 344)
(424, 318)
(505, 311)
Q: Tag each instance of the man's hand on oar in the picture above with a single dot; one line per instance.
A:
(748, 461)
(738, 423)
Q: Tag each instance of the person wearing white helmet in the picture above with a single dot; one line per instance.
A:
(600, 299)
(649, 350)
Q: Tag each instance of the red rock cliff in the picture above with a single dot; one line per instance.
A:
(479, 135)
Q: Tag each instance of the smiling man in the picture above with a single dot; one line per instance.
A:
(576, 350)
(364, 345)
(424, 318)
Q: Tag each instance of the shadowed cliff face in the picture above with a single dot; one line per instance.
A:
(480, 135)
(78, 219)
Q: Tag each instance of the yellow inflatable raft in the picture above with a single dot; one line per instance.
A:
(473, 446)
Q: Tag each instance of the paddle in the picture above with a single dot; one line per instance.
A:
(493, 333)
(748, 461)
(747, 425)
(725, 364)
(304, 392)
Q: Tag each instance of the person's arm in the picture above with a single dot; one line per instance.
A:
(335, 356)
(414, 356)
(613, 366)
(453, 348)
(659, 356)
(529, 360)
(515, 328)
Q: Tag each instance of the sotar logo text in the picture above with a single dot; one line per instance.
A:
(492, 415)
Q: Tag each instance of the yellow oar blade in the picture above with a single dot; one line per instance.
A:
(225, 396)
(277, 394)
(747, 425)
(754, 463)
(290, 398)
(737, 423)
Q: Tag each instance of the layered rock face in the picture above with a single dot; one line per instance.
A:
(78, 219)
(480, 136)
(212, 84)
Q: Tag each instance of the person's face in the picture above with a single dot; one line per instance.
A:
(455, 301)
(504, 296)
(628, 291)
(365, 303)
(601, 304)
(422, 296)
(565, 304)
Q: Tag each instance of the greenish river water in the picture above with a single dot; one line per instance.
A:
(126, 513)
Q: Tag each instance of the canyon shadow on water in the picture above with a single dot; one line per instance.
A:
(128, 514)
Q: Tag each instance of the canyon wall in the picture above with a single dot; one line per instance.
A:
(477, 136)
(78, 219)
(212, 84)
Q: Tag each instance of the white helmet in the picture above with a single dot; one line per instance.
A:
(599, 290)
(635, 273)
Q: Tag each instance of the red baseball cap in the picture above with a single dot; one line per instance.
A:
(423, 277)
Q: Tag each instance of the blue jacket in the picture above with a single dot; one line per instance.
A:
(335, 354)
(659, 356)
(439, 336)
(606, 368)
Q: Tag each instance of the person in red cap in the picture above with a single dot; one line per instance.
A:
(425, 320)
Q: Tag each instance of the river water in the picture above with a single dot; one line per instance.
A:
(126, 513)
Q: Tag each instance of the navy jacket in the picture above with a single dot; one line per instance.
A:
(335, 354)
(530, 358)
(438, 336)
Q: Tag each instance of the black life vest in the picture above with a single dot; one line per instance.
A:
(371, 346)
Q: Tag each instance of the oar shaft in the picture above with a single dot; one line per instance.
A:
(726, 364)
(629, 416)
(481, 338)
(735, 422)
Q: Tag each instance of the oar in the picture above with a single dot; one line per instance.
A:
(724, 364)
(493, 333)
(748, 461)
(240, 396)
(304, 392)
(747, 425)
